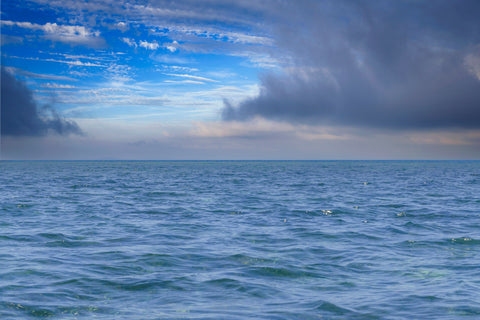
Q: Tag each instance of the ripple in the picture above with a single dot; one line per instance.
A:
(278, 272)
(239, 240)
(465, 240)
(41, 312)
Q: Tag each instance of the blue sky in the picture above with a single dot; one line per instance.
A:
(240, 79)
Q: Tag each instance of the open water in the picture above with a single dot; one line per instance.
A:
(240, 240)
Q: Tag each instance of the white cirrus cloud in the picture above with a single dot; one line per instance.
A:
(58, 86)
(77, 63)
(191, 77)
(184, 82)
(29, 74)
(177, 68)
(170, 59)
(75, 35)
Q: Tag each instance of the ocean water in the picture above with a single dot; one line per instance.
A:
(240, 240)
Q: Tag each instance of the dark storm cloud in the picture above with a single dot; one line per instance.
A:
(386, 64)
(20, 115)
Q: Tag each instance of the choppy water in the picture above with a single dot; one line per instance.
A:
(239, 240)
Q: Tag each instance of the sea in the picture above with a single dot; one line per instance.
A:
(240, 240)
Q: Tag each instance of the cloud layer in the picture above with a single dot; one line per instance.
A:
(20, 115)
(384, 64)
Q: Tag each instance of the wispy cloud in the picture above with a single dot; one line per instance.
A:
(183, 82)
(57, 86)
(169, 59)
(260, 59)
(191, 77)
(176, 68)
(113, 96)
(129, 42)
(76, 35)
(77, 63)
(97, 57)
(7, 39)
(217, 34)
(119, 73)
(258, 127)
(179, 11)
(37, 75)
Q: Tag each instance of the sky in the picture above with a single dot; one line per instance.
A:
(243, 79)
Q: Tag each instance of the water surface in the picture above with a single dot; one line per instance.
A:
(240, 240)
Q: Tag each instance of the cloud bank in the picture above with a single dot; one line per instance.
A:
(381, 64)
(20, 115)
